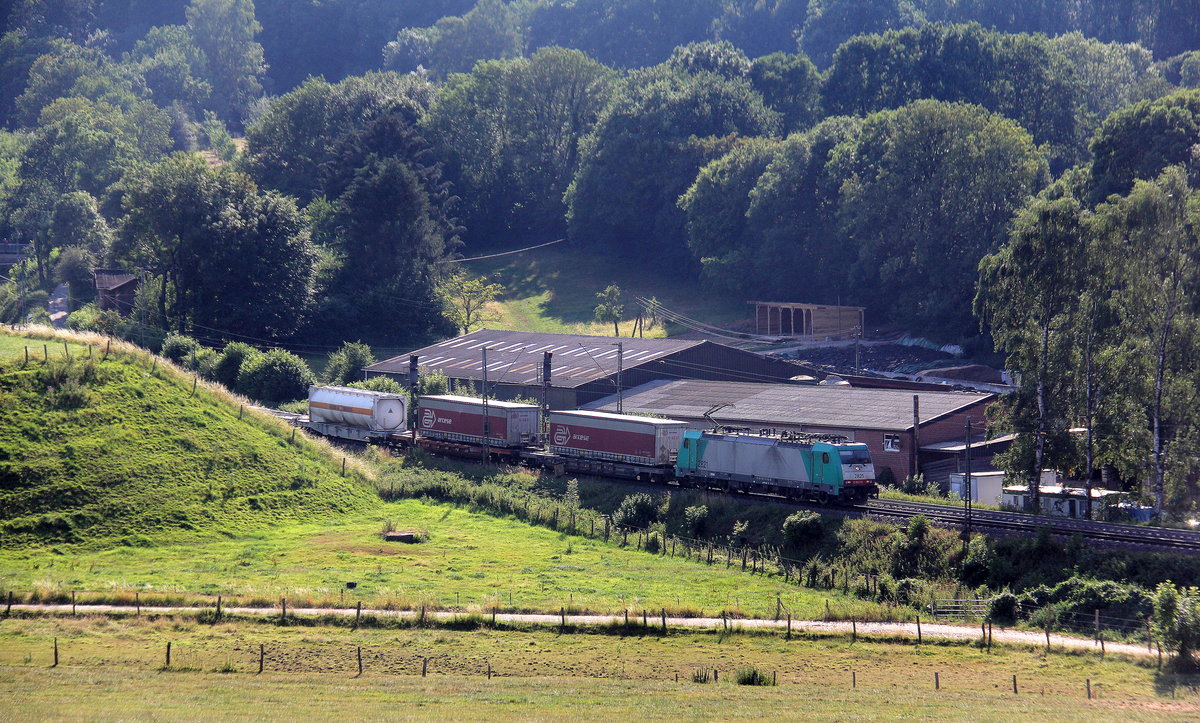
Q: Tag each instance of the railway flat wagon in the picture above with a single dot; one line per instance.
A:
(616, 444)
(451, 418)
(358, 414)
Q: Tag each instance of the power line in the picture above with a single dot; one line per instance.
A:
(506, 253)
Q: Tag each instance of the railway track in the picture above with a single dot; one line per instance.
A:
(1180, 540)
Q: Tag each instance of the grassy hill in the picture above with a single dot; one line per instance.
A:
(554, 290)
(120, 448)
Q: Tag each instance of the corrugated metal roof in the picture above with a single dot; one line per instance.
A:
(514, 357)
(789, 404)
(108, 279)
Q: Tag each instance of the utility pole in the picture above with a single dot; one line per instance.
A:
(913, 454)
(620, 370)
(544, 424)
(967, 488)
(487, 427)
(858, 350)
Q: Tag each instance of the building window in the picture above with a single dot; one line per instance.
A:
(891, 443)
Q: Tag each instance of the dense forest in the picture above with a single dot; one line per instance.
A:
(1020, 176)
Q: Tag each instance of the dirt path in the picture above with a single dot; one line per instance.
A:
(927, 630)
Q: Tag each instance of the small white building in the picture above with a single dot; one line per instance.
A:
(1063, 501)
(987, 487)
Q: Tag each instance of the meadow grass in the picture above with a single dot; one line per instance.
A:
(124, 449)
(111, 668)
(554, 290)
(472, 561)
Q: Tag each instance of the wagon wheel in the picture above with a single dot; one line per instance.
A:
(823, 497)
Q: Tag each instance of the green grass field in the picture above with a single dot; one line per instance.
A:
(554, 290)
(472, 560)
(121, 451)
(312, 673)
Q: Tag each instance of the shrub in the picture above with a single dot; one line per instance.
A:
(753, 676)
(379, 384)
(1177, 621)
(915, 484)
(695, 519)
(178, 347)
(273, 377)
(346, 364)
(978, 562)
(68, 395)
(203, 361)
(802, 527)
(226, 368)
(1003, 609)
(885, 477)
(636, 510)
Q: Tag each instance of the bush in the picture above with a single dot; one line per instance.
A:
(346, 364)
(915, 484)
(227, 366)
(379, 384)
(978, 562)
(636, 510)
(695, 519)
(1004, 609)
(885, 477)
(68, 395)
(178, 347)
(802, 527)
(754, 676)
(273, 377)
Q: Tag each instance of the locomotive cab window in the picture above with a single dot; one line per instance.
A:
(824, 458)
(855, 456)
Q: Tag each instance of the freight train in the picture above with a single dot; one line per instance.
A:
(796, 465)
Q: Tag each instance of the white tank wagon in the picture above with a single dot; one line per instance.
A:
(355, 413)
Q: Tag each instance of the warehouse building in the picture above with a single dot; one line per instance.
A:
(583, 368)
(883, 418)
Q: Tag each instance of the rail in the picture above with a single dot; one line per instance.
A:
(1180, 540)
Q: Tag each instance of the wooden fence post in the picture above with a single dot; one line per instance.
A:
(918, 630)
(1089, 688)
(357, 613)
(1014, 685)
(664, 620)
(853, 630)
(424, 666)
(56, 653)
(853, 678)
(283, 612)
(8, 610)
(937, 682)
(489, 673)
(72, 602)
(789, 627)
(168, 653)
(360, 661)
(262, 656)
(137, 600)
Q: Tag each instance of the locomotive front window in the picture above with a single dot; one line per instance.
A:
(855, 456)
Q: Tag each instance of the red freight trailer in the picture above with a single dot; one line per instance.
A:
(616, 437)
(460, 419)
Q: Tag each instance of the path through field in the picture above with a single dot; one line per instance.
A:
(653, 620)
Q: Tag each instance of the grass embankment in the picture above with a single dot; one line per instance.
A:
(116, 669)
(121, 449)
(554, 290)
(471, 561)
